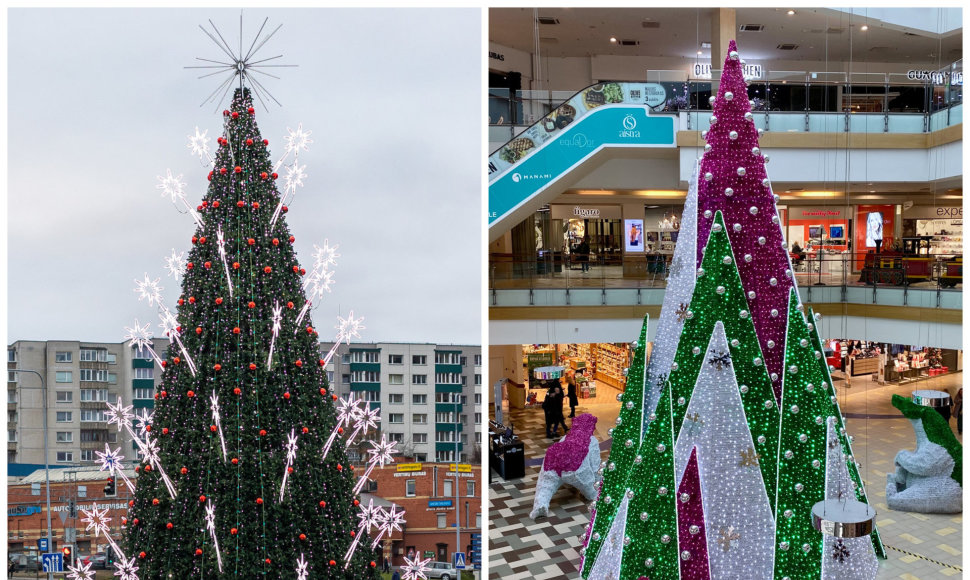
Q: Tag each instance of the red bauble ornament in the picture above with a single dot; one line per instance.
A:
(262, 432)
(322, 390)
(184, 470)
(234, 531)
(213, 428)
(249, 141)
(252, 366)
(205, 204)
(309, 330)
(289, 305)
(285, 209)
(275, 175)
(276, 242)
(195, 239)
(252, 304)
(302, 272)
(217, 367)
(169, 525)
(251, 110)
(191, 299)
(323, 504)
(148, 428)
(236, 391)
(340, 430)
(155, 502)
(181, 301)
(334, 397)
(218, 300)
(190, 265)
(267, 269)
(265, 141)
(142, 555)
(341, 468)
(296, 269)
(292, 239)
(320, 362)
(164, 364)
(235, 461)
(268, 560)
(135, 521)
(198, 330)
(353, 533)
(148, 468)
(177, 360)
(225, 113)
(289, 469)
(250, 241)
(235, 265)
(259, 501)
(263, 175)
(240, 203)
(198, 551)
(201, 499)
(306, 430)
(191, 394)
(223, 171)
(165, 393)
(332, 563)
(164, 430)
(207, 265)
(356, 502)
(298, 363)
(215, 203)
(303, 536)
(373, 564)
(131, 503)
(235, 330)
(235, 114)
(255, 205)
(286, 396)
(210, 176)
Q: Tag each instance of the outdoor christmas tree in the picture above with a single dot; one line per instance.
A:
(758, 435)
(244, 471)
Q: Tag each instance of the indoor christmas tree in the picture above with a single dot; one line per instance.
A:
(758, 435)
(244, 471)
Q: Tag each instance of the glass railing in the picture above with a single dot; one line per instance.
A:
(555, 270)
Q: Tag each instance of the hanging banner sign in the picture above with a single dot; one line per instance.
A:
(750, 71)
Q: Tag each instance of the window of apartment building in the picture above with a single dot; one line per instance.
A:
(464, 439)
(11, 416)
(464, 360)
(464, 419)
(65, 457)
(35, 489)
(63, 357)
(330, 377)
(464, 381)
(64, 417)
(478, 520)
(420, 457)
(11, 435)
(94, 355)
(444, 417)
(395, 379)
(420, 437)
(345, 379)
(449, 488)
(11, 355)
(470, 488)
(464, 400)
(112, 378)
(64, 396)
(419, 359)
(478, 398)
(12, 396)
(145, 373)
(91, 375)
(141, 353)
(371, 396)
(395, 359)
(92, 416)
(419, 379)
(446, 358)
(91, 435)
(478, 437)
(478, 418)
(478, 380)
(395, 418)
(446, 397)
(82, 491)
(87, 455)
(100, 395)
(445, 437)
(144, 393)
(410, 488)
(478, 360)
(365, 377)
(396, 398)
(65, 437)
(12, 376)
(345, 359)
(112, 358)
(365, 356)
(63, 377)
(442, 521)
(419, 399)
(447, 378)
(396, 437)
(419, 419)
(443, 456)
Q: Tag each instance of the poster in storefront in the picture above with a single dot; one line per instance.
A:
(874, 222)
(634, 235)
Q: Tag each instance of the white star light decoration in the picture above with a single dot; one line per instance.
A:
(144, 418)
(81, 571)
(140, 338)
(175, 264)
(199, 144)
(381, 454)
(277, 318)
(210, 524)
(297, 140)
(349, 327)
(301, 571)
(389, 522)
(149, 289)
(416, 569)
(96, 520)
(290, 456)
(126, 568)
(119, 415)
(294, 176)
(171, 186)
(368, 419)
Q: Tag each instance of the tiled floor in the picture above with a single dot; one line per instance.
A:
(920, 547)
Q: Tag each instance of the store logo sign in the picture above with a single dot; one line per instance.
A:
(935, 77)
(496, 55)
(950, 212)
(749, 71)
(586, 212)
(517, 177)
(629, 124)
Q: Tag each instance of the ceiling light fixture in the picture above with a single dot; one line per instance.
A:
(699, 52)
(864, 28)
(612, 39)
(791, 12)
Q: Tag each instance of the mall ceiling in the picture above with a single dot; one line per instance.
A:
(820, 34)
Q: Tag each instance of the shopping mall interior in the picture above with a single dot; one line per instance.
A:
(598, 125)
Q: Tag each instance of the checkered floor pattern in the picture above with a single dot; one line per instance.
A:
(920, 547)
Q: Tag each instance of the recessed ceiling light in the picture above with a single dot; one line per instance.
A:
(612, 39)
(791, 12)
(872, 191)
(864, 28)
(699, 52)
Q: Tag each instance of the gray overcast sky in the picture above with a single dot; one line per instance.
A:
(99, 104)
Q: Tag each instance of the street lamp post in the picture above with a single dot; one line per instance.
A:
(47, 469)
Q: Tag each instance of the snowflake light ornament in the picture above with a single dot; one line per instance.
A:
(277, 319)
(297, 140)
(150, 450)
(349, 327)
(389, 522)
(290, 456)
(370, 516)
(80, 571)
(367, 420)
(416, 569)
(221, 241)
(96, 520)
(324, 257)
(301, 571)
(210, 524)
(125, 568)
(149, 289)
(381, 454)
(217, 421)
(119, 415)
(294, 177)
(175, 264)
(144, 418)
(199, 145)
(111, 462)
(171, 186)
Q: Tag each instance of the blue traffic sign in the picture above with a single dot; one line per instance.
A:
(42, 545)
(53, 562)
(459, 560)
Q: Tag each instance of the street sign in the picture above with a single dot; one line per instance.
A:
(42, 544)
(70, 535)
(53, 562)
(476, 555)
(459, 560)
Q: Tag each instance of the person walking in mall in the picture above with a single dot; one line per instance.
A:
(582, 254)
(556, 414)
(547, 408)
(958, 410)
(571, 393)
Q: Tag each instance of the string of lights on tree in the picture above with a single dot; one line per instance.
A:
(238, 473)
(730, 434)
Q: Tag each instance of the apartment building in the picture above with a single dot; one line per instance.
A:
(430, 395)
(81, 378)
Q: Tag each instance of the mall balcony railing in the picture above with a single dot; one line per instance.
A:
(557, 279)
(789, 101)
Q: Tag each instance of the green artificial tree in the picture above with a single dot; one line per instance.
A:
(244, 411)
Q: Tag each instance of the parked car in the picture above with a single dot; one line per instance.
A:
(442, 570)
(98, 561)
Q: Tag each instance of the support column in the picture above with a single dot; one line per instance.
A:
(723, 29)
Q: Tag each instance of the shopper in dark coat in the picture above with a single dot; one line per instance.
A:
(572, 394)
(582, 254)
(958, 410)
(555, 413)
(547, 408)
